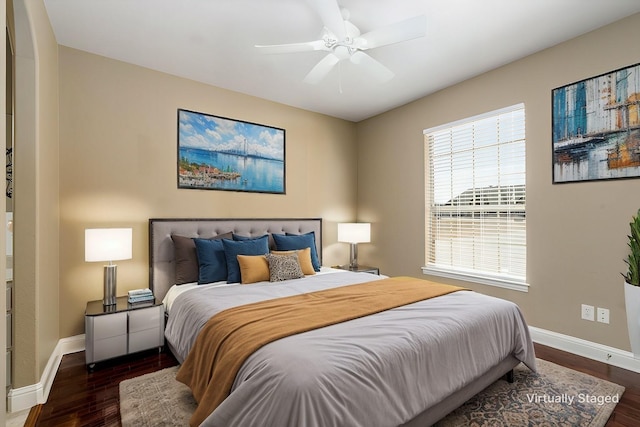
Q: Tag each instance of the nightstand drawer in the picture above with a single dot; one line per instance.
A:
(108, 326)
(145, 318)
(144, 340)
(109, 347)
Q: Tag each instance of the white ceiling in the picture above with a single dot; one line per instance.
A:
(212, 41)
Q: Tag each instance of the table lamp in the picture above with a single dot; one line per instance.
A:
(354, 233)
(108, 244)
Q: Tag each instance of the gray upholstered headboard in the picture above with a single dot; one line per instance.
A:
(161, 253)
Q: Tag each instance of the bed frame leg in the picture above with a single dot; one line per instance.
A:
(509, 377)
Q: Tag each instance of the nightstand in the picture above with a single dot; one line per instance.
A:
(123, 328)
(360, 269)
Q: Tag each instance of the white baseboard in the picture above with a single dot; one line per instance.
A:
(590, 350)
(26, 397)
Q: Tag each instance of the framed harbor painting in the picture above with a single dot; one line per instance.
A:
(596, 127)
(218, 153)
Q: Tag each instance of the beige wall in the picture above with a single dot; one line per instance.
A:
(118, 167)
(36, 193)
(576, 233)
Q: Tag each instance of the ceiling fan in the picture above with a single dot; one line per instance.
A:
(344, 41)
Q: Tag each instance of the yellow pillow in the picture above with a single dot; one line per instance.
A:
(304, 257)
(253, 268)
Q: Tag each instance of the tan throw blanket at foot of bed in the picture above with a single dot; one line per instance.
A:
(229, 337)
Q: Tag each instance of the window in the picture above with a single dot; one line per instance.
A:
(475, 212)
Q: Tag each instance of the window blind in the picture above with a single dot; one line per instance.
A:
(476, 197)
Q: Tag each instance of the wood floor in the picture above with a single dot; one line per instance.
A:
(82, 398)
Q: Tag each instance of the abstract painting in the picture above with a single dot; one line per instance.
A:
(596, 127)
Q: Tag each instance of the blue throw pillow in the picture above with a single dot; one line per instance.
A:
(241, 238)
(291, 242)
(232, 249)
(212, 264)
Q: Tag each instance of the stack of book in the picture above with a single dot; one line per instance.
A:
(137, 296)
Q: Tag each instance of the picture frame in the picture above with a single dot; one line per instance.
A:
(596, 127)
(219, 153)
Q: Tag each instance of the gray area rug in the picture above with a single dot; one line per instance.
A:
(555, 396)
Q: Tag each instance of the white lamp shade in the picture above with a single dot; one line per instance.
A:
(352, 232)
(107, 244)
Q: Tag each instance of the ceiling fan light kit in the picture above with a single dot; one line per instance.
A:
(343, 41)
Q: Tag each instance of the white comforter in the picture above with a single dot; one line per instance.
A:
(379, 370)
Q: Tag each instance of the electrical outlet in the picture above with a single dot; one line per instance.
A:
(588, 312)
(603, 315)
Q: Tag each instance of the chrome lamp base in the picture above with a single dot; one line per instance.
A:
(353, 256)
(110, 282)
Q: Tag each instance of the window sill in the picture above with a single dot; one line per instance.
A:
(484, 280)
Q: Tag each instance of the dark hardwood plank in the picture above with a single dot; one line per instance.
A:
(82, 398)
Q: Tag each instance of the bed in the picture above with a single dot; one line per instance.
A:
(408, 366)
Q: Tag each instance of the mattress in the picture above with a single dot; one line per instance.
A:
(380, 370)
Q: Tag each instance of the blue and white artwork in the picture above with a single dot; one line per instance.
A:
(217, 153)
(596, 127)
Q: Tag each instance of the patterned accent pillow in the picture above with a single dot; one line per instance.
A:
(304, 257)
(283, 267)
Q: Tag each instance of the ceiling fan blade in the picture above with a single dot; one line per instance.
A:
(408, 29)
(292, 47)
(375, 68)
(331, 16)
(321, 69)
